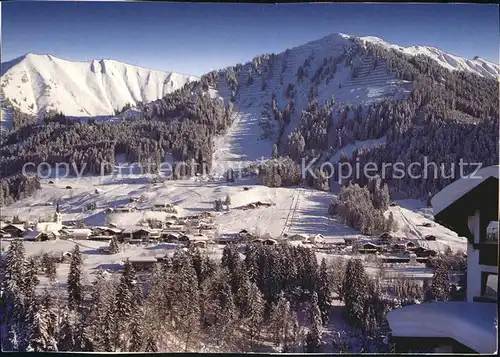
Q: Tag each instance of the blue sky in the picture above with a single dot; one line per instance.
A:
(196, 38)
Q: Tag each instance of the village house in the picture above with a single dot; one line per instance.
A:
(336, 243)
(227, 239)
(174, 228)
(385, 237)
(198, 244)
(66, 257)
(167, 236)
(195, 239)
(467, 206)
(269, 241)
(370, 248)
(137, 233)
(350, 240)
(410, 245)
(105, 231)
(316, 239)
(77, 233)
(297, 237)
(41, 236)
(205, 226)
(143, 263)
(166, 207)
(99, 238)
(15, 230)
(398, 248)
(170, 222)
(422, 252)
(121, 209)
(245, 234)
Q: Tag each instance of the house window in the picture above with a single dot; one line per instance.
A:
(492, 232)
(489, 285)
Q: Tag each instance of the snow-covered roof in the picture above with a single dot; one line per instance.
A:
(32, 235)
(460, 187)
(18, 226)
(472, 324)
(197, 237)
(136, 229)
(143, 259)
(80, 231)
(111, 229)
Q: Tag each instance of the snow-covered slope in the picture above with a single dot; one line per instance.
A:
(477, 65)
(332, 67)
(36, 83)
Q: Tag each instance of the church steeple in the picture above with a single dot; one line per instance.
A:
(58, 215)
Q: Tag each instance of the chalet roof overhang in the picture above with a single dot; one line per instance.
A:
(471, 324)
(454, 214)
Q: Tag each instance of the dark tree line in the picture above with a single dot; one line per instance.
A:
(182, 124)
(362, 208)
(17, 187)
(190, 299)
(279, 172)
(188, 296)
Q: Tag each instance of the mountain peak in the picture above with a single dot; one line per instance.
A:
(39, 82)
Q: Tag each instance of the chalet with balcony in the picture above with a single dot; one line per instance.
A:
(468, 206)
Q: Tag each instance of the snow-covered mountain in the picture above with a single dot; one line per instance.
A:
(332, 67)
(37, 83)
(477, 65)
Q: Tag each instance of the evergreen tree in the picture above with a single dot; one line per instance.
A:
(320, 180)
(275, 152)
(114, 246)
(230, 258)
(31, 279)
(324, 292)
(101, 320)
(51, 270)
(136, 336)
(218, 205)
(41, 332)
(14, 267)
(227, 202)
(184, 297)
(354, 290)
(66, 335)
(150, 345)
(282, 321)
(15, 309)
(218, 307)
(75, 289)
(313, 339)
(337, 273)
(253, 311)
(125, 303)
(440, 286)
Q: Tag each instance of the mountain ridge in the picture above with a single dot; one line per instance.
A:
(35, 83)
(100, 95)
